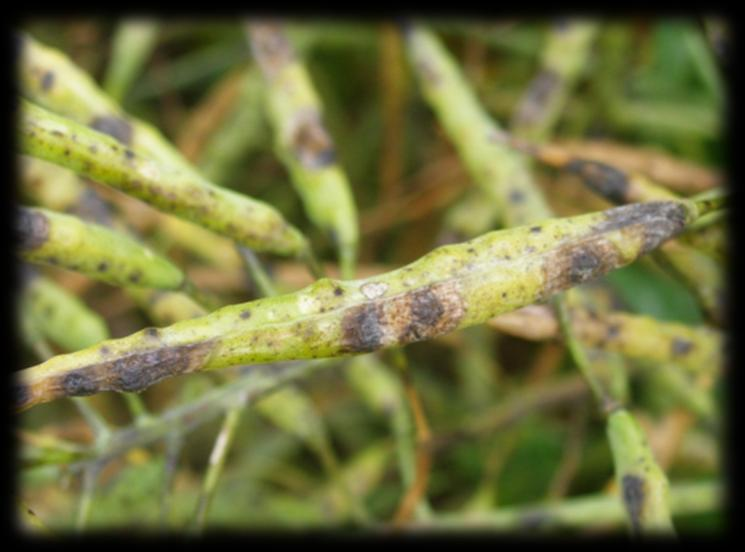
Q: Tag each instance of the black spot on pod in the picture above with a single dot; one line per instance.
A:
(114, 126)
(245, 314)
(47, 81)
(79, 382)
(632, 488)
(426, 310)
(605, 180)
(361, 330)
(21, 395)
(542, 87)
(516, 196)
(32, 227)
(584, 265)
(680, 347)
(532, 521)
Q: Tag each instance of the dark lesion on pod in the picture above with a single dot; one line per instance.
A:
(311, 144)
(541, 89)
(680, 347)
(412, 316)
(577, 263)
(133, 372)
(634, 497)
(361, 329)
(47, 81)
(659, 221)
(32, 227)
(605, 180)
(116, 127)
(21, 395)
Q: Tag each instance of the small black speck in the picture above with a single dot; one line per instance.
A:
(104, 350)
(535, 229)
(245, 314)
(680, 347)
(504, 294)
(135, 277)
(338, 292)
(129, 154)
(517, 196)
(103, 267)
(47, 81)
(151, 332)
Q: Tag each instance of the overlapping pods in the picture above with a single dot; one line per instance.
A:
(452, 287)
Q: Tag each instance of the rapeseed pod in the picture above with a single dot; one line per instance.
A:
(452, 287)
(302, 141)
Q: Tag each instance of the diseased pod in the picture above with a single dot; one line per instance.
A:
(452, 287)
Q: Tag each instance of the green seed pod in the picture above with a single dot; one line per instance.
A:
(166, 307)
(61, 240)
(643, 485)
(293, 412)
(450, 288)
(564, 56)
(502, 173)
(62, 317)
(182, 193)
(303, 143)
(242, 131)
(133, 42)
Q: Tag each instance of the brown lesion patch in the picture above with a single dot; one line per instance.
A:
(133, 372)
(413, 316)
(576, 263)
(680, 347)
(32, 227)
(311, 144)
(536, 100)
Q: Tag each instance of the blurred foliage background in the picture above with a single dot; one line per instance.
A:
(651, 91)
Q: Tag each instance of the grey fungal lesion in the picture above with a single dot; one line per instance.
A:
(117, 127)
(634, 497)
(47, 80)
(659, 221)
(310, 142)
(32, 228)
(536, 99)
(412, 316)
(605, 180)
(133, 372)
(270, 46)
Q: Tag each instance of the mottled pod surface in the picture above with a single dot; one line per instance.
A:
(452, 287)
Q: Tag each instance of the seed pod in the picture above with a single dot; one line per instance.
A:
(292, 411)
(643, 485)
(303, 143)
(500, 172)
(61, 240)
(697, 349)
(133, 42)
(241, 132)
(60, 316)
(564, 56)
(452, 287)
(184, 194)
(166, 307)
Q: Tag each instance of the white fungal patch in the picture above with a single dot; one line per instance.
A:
(306, 304)
(373, 290)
